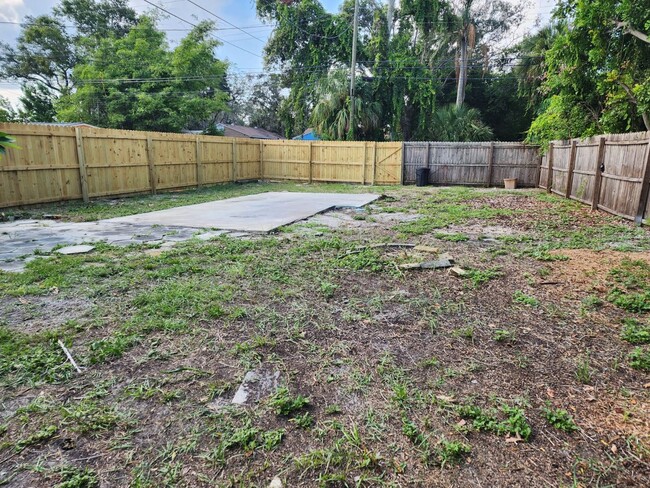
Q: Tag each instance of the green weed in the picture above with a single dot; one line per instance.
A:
(520, 297)
(283, 403)
(73, 477)
(450, 452)
(504, 335)
(635, 332)
(479, 277)
(632, 286)
(514, 424)
(38, 437)
(560, 419)
(583, 370)
(364, 259)
(640, 359)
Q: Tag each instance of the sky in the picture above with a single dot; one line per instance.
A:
(242, 49)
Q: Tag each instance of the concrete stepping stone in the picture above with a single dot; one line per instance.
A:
(80, 249)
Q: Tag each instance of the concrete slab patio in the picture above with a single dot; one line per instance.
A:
(263, 212)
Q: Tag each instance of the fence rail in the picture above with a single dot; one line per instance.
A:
(57, 163)
(609, 172)
(472, 163)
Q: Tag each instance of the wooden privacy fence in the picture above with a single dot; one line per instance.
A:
(473, 163)
(609, 172)
(56, 163)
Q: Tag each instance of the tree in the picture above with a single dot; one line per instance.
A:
(46, 53)
(7, 112)
(476, 20)
(137, 83)
(331, 115)
(459, 124)
(36, 104)
(597, 75)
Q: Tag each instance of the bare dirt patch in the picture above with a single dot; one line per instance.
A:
(34, 314)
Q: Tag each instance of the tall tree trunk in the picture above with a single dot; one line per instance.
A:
(389, 17)
(462, 72)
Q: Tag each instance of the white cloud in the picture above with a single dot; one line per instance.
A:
(10, 11)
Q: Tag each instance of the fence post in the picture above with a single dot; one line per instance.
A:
(152, 167)
(81, 159)
(234, 160)
(374, 162)
(490, 161)
(261, 159)
(363, 167)
(199, 168)
(403, 168)
(572, 163)
(549, 172)
(599, 175)
(311, 162)
(645, 187)
(539, 166)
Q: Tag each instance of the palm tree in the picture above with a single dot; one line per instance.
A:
(331, 114)
(466, 39)
(531, 67)
(459, 124)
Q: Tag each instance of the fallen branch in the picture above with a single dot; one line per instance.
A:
(70, 358)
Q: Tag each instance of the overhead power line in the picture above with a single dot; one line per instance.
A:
(194, 25)
(169, 29)
(224, 20)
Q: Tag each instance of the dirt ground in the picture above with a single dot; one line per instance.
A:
(530, 369)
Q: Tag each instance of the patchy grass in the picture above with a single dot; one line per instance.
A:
(389, 377)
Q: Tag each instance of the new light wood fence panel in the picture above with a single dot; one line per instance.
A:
(338, 161)
(286, 160)
(248, 159)
(623, 185)
(44, 169)
(478, 163)
(116, 162)
(216, 159)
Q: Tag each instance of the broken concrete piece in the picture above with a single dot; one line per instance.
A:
(432, 250)
(458, 271)
(410, 266)
(437, 264)
(81, 249)
(256, 385)
(276, 483)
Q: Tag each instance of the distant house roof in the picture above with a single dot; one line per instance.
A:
(65, 124)
(231, 130)
(308, 135)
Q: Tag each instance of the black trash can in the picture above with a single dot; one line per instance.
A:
(422, 177)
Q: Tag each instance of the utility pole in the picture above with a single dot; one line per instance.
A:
(389, 17)
(353, 65)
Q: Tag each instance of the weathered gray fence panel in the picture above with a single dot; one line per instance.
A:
(620, 185)
(472, 163)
